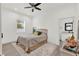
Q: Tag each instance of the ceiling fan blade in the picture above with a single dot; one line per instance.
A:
(32, 10)
(32, 4)
(27, 7)
(37, 8)
(37, 4)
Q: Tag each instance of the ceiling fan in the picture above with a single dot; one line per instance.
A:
(33, 6)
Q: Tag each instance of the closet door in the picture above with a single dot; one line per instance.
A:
(8, 26)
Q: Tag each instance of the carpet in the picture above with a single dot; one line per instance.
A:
(9, 50)
(45, 50)
(48, 49)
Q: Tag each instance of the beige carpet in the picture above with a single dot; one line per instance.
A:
(49, 49)
(45, 50)
(9, 50)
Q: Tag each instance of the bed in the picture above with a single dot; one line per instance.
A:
(32, 42)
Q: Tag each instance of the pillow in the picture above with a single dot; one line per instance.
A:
(37, 33)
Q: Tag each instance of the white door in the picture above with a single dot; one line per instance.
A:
(8, 25)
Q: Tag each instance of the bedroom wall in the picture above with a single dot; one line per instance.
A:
(9, 29)
(49, 19)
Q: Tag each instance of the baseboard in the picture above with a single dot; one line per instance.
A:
(8, 42)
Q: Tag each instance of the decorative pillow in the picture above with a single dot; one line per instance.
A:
(37, 33)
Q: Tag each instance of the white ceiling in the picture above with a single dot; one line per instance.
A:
(20, 8)
(46, 7)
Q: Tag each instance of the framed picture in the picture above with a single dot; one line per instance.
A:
(69, 26)
(20, 26)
